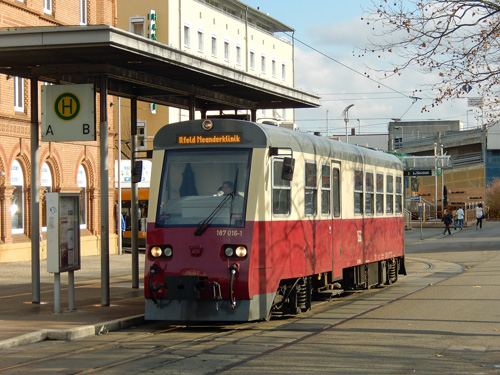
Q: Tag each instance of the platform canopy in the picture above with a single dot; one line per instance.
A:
(127, 65)
(138, 67)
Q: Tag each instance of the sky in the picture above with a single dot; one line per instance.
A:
(328, 37)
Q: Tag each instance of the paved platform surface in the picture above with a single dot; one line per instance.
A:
(23, 322)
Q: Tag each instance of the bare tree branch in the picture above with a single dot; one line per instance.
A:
(457, 39)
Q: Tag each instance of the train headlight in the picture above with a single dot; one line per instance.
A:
(156, 251)
(229, 251)
(235, 251)
(241, 251)
(161, 251)
(168, 251)
(207, 125)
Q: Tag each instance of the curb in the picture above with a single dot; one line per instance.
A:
(73, 333)
(118, 324)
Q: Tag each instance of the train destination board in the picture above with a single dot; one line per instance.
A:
(207, 139)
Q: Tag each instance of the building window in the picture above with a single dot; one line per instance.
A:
(226, 50)
(83, 12)
(47, 6)
(17, 207)
(379, 199)
(19, 94)
(358, 192)
(252, 60)
(282, 202)
(263, 64)
(46, 182)
(283, 72)
(82, 184)
(389, 190)
(137, 25)
(310, 191)
(201, 44)
(325, 189)
(187, 36)
(273, 68)
(369, 196)
(238, 55)
(214, 46)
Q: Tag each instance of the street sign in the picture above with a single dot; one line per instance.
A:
(68, 113)
(417, 173)
(475, 102)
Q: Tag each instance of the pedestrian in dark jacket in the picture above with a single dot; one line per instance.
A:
(447, 220)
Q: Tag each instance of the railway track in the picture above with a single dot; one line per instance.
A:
(212, 348)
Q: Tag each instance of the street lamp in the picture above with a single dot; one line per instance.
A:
(345, 113)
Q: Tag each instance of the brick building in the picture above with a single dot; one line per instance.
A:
(68, 167)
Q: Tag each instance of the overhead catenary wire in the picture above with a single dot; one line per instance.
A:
(351, 68)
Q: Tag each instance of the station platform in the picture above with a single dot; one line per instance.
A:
(23, 322)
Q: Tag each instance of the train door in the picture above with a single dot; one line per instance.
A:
(336, 203)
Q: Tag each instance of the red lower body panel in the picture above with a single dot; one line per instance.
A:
(276, 251)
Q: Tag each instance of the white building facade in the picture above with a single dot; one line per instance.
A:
(227, 32)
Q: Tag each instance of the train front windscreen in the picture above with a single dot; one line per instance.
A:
(204, 187)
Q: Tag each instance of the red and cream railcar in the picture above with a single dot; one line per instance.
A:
(246, 219)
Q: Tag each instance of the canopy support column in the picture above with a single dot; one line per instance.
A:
(103, 150)
(134, 199)
(35, 195)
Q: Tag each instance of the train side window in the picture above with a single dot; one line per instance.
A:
(389, 194)
(399, 195)
(281, 195)
(325, 189)
(336, 192)
(369, 196)
(379, 198)
(311, 189)
(358, 192)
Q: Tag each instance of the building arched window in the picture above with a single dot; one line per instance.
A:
(17, 207)
(82, 184)
(46, 182)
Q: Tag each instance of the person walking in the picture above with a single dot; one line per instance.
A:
(460, 218)
(479, 215)
(447, 220)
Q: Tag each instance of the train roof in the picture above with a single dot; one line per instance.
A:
(255, 135)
